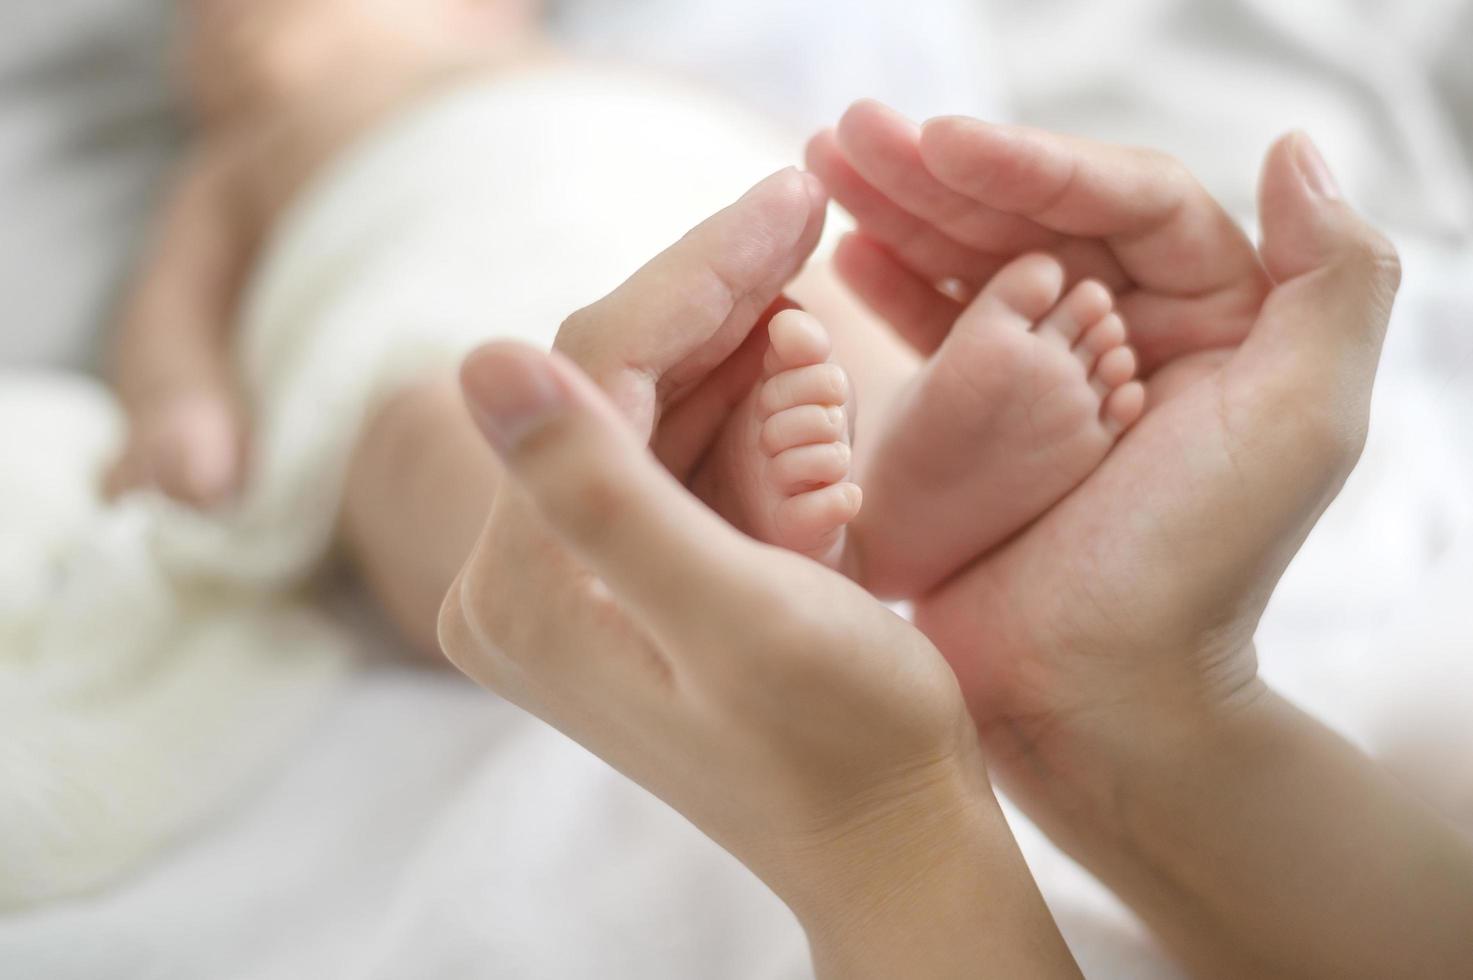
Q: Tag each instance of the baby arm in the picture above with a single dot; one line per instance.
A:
(173, 362)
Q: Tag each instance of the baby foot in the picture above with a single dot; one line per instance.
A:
(1024, 399)
(780, 471)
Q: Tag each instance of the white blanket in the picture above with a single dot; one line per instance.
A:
(142, 640)
(425, 830)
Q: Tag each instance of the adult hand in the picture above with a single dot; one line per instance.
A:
(1156, 570)
(804, 727)
(1107, 651)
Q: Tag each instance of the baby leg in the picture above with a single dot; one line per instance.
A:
(419, 488)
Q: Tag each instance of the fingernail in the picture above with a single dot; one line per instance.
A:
(511, 392)
(1313, 169)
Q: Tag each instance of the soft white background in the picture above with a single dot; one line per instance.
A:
(426, 830)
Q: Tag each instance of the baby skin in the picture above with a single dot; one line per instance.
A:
(1026, 397)
(780, 469)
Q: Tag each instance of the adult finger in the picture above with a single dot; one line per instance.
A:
(1167, 231)
(919, 312)
(1336, 278)
(929, 253)
(884, 147)
(690, 307)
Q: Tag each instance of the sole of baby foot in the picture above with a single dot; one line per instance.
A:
(1026, 396)
(784, 461)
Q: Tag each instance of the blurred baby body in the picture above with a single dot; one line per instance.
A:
(377, 188)
(313, 260)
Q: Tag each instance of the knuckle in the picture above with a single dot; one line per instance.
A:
(1376, 257)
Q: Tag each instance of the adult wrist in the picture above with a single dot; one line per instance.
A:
(933, 886)
(1079, 776)
(1168, 750)
(1228, 838)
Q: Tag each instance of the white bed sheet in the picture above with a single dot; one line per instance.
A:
(425, 830)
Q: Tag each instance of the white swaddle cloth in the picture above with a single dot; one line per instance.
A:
(154, 660)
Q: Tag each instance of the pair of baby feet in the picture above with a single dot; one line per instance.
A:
(1027, 395)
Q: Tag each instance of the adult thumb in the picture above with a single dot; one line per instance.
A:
(598, 488)
(1335, 274)
(1311, 233)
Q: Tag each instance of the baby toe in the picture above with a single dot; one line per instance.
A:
(1123, 407)
(795, 339)
(1097, 340)
(1086, 305)
(1018, 296)
(803, 426)
(809, 467)
(817, 384)
(1115, 367)
(812, 523)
